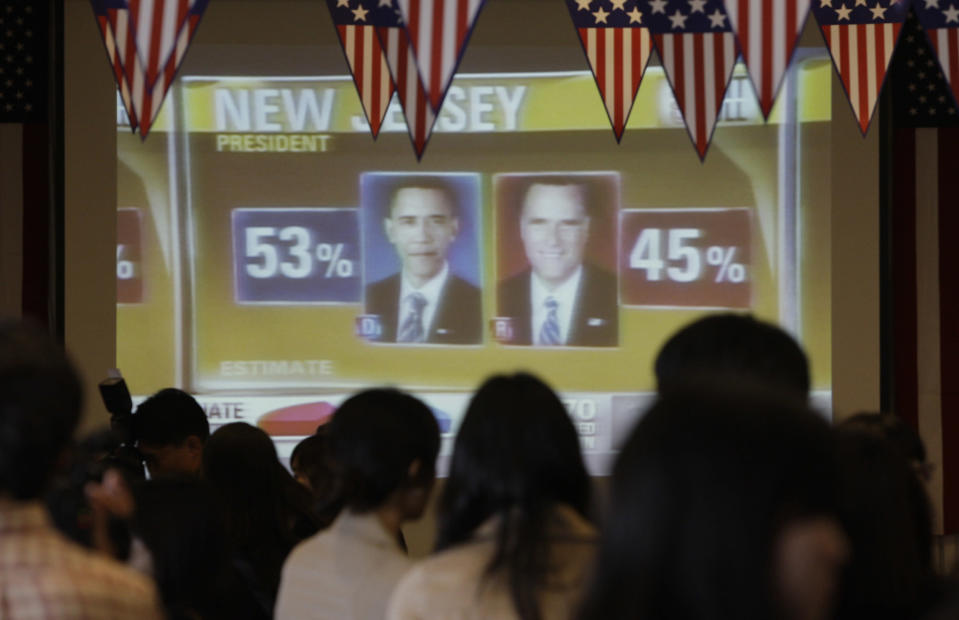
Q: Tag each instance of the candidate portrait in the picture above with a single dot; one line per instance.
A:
(421, 257)
(559, 288)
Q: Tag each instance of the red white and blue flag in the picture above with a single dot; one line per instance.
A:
(618, 45)
(940, 20)
(150, 39)
(438, 31)
(767, 32)
(406, 79)
(697, 46)
(361, 46)
(861, 37)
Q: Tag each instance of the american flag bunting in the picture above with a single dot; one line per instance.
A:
(861, 36)
(617, 45)
(361, 46)
(438, 31)
(697, 46)
(150, 39)
(940, 20)
(767, 32)
(406, 79)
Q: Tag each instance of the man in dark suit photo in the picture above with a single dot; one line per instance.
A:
(561, 300)
(425, 302)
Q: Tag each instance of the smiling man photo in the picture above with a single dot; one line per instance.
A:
(425, 302)
(561, 299)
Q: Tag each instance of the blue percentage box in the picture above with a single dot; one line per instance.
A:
(297, 256)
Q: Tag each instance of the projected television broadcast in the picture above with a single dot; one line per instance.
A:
(272, 258)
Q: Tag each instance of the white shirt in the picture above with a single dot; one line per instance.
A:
(565, 295)
(346, 572)
(430, 291)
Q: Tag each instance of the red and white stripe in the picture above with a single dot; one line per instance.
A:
(438, 30)
(699, 67)
(107, 32)
(618, 58)
(413, 98)
(861, 53)
(148, 84)
(946, 43)
(371, 72)
(767, 32)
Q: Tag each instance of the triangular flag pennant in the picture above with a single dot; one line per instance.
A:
(861, 39)
(698, 50)
(409, 88)
(942, 28)
(150, 39)
(102, 10)
(618, 46)
(438, 31)
(361, 46)
(767, 32)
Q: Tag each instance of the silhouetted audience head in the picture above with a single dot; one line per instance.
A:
(312, 466)
(267, 512)
(171, 429)
(887, 515)
(40, 399)
(516, 457)
(384, 444)
(722, 506)
(734, 345)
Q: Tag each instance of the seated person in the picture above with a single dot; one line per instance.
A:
(514, 540)
(384, 445)
(171, 429)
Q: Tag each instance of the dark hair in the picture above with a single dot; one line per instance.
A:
(424, 182)
(734, 346)
(312, 458)
(169, 417)
(375, 436)
(266, 511)
(893, 428)
(699, 493)
(180, 523)
(887, 516)
(516, 456)
(40, 399)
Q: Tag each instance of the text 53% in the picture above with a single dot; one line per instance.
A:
(291, 252)
(683, 262)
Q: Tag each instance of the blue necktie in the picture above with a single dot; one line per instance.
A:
(412, 328)
(549, 332)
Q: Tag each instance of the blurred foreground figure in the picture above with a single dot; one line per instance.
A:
(738, 347)
(722, 507)
(312, 465)
(885, 510)
(384, 444)
(42, 575)
(514, 540)
(266, 511)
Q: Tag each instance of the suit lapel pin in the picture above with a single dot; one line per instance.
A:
(594, 322)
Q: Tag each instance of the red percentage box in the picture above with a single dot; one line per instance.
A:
(686, 257)
(129, 252)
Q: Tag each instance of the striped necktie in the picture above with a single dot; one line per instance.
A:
(549, 332)
(412, 328)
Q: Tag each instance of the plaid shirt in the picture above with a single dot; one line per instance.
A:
(43, 575)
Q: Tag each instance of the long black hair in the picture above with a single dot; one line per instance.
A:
(698, 496)
(516, 456)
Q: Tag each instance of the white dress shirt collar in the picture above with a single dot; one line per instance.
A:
(566, 297)
(431, 291)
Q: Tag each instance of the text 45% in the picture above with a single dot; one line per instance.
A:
(292, 253)
(683, 261)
